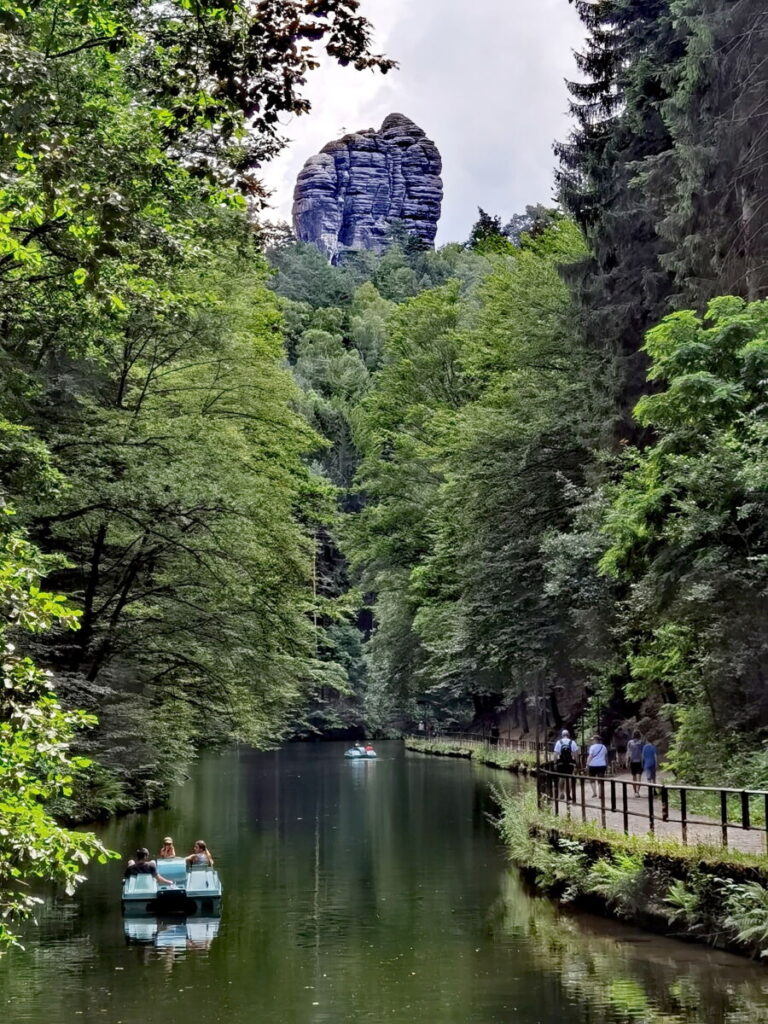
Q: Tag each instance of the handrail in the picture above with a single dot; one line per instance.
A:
(670, 785)
(560, 788)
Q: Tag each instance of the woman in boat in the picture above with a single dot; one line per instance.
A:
(167, 849)
(200, 855)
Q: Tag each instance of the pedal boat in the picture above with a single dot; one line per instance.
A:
(355, 754)
(196, 890)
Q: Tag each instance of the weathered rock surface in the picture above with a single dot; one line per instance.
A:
(348, 196)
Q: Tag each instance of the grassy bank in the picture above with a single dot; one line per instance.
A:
(520, 762)
(700, 893)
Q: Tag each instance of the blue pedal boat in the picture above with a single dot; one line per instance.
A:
(196, 889)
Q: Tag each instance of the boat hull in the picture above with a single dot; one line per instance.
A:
(196, 889)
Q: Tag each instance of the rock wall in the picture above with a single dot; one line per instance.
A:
(348, 195)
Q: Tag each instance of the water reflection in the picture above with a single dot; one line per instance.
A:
(627, 976)
(355, 892)
(171, 932)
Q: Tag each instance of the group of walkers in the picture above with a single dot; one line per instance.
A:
(641, 753)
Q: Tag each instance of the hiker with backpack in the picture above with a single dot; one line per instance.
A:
(566, 756)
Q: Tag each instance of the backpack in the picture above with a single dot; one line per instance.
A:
(565, 757)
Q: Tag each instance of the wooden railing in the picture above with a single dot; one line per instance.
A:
(740, 817)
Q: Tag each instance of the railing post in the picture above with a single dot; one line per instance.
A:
(601, 783)
(664, 804)
(625, 807)
(556, 781)
(613, 796)
(684, 815)
(724, 815)
(651, 822)
(745, 823)
(584, 799)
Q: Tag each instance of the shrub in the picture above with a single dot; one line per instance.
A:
(619, 880)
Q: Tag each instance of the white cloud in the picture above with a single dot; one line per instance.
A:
(484, 78)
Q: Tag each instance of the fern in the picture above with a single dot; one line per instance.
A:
(748, 914)
(685, 906)
(618, 880)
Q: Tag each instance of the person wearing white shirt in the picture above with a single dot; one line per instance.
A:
(597, 761)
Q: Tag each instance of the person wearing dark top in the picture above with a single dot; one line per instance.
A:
(635, 750)
(144, 866)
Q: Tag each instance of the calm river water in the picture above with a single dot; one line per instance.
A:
(354, 891)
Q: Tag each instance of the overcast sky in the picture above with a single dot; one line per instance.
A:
(483, 78)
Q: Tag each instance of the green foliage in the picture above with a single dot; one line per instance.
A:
(487, 235)
(560, 863)
(619, 880)
(481, 753)
(148, 430)
(686, 903)
(701, 890)
(748, 914)
(472, 435)
(686, 528)
(36, 734)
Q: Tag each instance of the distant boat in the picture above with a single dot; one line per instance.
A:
(355, 753)
(196, 889)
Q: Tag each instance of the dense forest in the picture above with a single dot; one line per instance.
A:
(548, 438)
(249, 495)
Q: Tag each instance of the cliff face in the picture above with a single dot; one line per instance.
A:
(348, 195)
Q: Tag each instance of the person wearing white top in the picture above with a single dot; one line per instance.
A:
(597, 761)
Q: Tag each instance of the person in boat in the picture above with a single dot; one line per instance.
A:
(142, 865)
(200, 855)
(167, 849)
(369, 749)
(360, 747)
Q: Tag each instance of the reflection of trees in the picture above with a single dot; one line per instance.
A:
(364, 889)
(598, 966)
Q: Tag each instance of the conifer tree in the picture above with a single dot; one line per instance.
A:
(619, 124)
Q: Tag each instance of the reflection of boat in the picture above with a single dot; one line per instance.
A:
(196, 889)
(354, 753)
(171, 933)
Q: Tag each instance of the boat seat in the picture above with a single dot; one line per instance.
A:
(141, 884)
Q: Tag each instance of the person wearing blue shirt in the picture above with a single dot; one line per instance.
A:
(650, 761)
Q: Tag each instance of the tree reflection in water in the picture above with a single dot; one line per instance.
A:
(628, 976)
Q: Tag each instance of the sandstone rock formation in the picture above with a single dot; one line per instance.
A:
(348, 195)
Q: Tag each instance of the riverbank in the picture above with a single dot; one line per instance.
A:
(700, 893)
(697, 894)
(519, 762)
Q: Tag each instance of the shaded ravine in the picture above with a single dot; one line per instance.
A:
(373, 891)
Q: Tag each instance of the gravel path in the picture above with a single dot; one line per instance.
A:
(700, 829)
